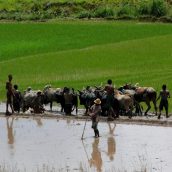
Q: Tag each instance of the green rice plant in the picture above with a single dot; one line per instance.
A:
(77, 54)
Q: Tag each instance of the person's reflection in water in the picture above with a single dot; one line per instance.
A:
(39, 122)
(10, 131)
(96, 159)
(68, 121)
(111, 142)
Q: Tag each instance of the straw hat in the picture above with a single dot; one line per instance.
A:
(97, 101)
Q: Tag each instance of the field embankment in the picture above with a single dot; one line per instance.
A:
(152, 10)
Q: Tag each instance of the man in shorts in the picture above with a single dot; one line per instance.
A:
(164, 95)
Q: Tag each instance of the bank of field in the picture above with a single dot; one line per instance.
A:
(77, 54)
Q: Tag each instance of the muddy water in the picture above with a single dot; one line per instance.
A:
(35, 144)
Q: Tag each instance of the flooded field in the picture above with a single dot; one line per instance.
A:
(36, 144)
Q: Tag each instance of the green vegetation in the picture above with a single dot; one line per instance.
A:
(85, 9)
(78, 54)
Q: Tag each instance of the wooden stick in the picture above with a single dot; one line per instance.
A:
(84, 128)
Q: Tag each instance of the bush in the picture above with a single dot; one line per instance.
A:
(84, 14)
(158, 8)
(104, 12)
(126, 10)
(144, 8)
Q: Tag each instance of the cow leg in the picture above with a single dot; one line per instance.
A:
(86, 112)
(154, 102)
(76, 110)
(128, 111)
(62, 107)
(149, 106)
(51, 106)
(138, 109)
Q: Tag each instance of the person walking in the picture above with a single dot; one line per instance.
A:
(164, 95)
(9, 94)
(95, 112)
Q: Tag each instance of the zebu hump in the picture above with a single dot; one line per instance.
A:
(150, 90)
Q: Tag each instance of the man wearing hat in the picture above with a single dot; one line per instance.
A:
(95, 111)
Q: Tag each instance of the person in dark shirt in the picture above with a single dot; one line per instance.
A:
(164, 95)
(68, 98)
(16, 99)
(109, 88)
(9, 94)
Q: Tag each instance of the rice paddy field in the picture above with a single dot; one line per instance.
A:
(81, 53)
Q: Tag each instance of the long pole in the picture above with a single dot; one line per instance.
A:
(84, 129)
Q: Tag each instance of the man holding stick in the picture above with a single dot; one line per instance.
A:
(95, 112)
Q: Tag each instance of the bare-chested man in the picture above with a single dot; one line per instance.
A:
(110, 99)
(9, 94)
(164, 95)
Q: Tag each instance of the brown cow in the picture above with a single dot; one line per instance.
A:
(126, 102)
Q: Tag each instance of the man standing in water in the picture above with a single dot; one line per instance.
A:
(164, 95)
(16, 99)
(109, 88)
(9, 95)
(95, 112)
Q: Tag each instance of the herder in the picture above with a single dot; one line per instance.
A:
(164, 95)
(95, 112)
(9, 95)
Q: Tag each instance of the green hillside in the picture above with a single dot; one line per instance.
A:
(77, 54)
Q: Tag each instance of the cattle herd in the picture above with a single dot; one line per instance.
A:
(127, 99)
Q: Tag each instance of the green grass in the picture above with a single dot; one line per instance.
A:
(78, 53)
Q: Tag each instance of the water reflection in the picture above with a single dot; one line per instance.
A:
(39, 121)
(68, 121)
(10, 130)
(96, 159)
(111, 141)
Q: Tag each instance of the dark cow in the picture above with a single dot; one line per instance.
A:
(87, 97)
(53, 95)
(70, 100)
